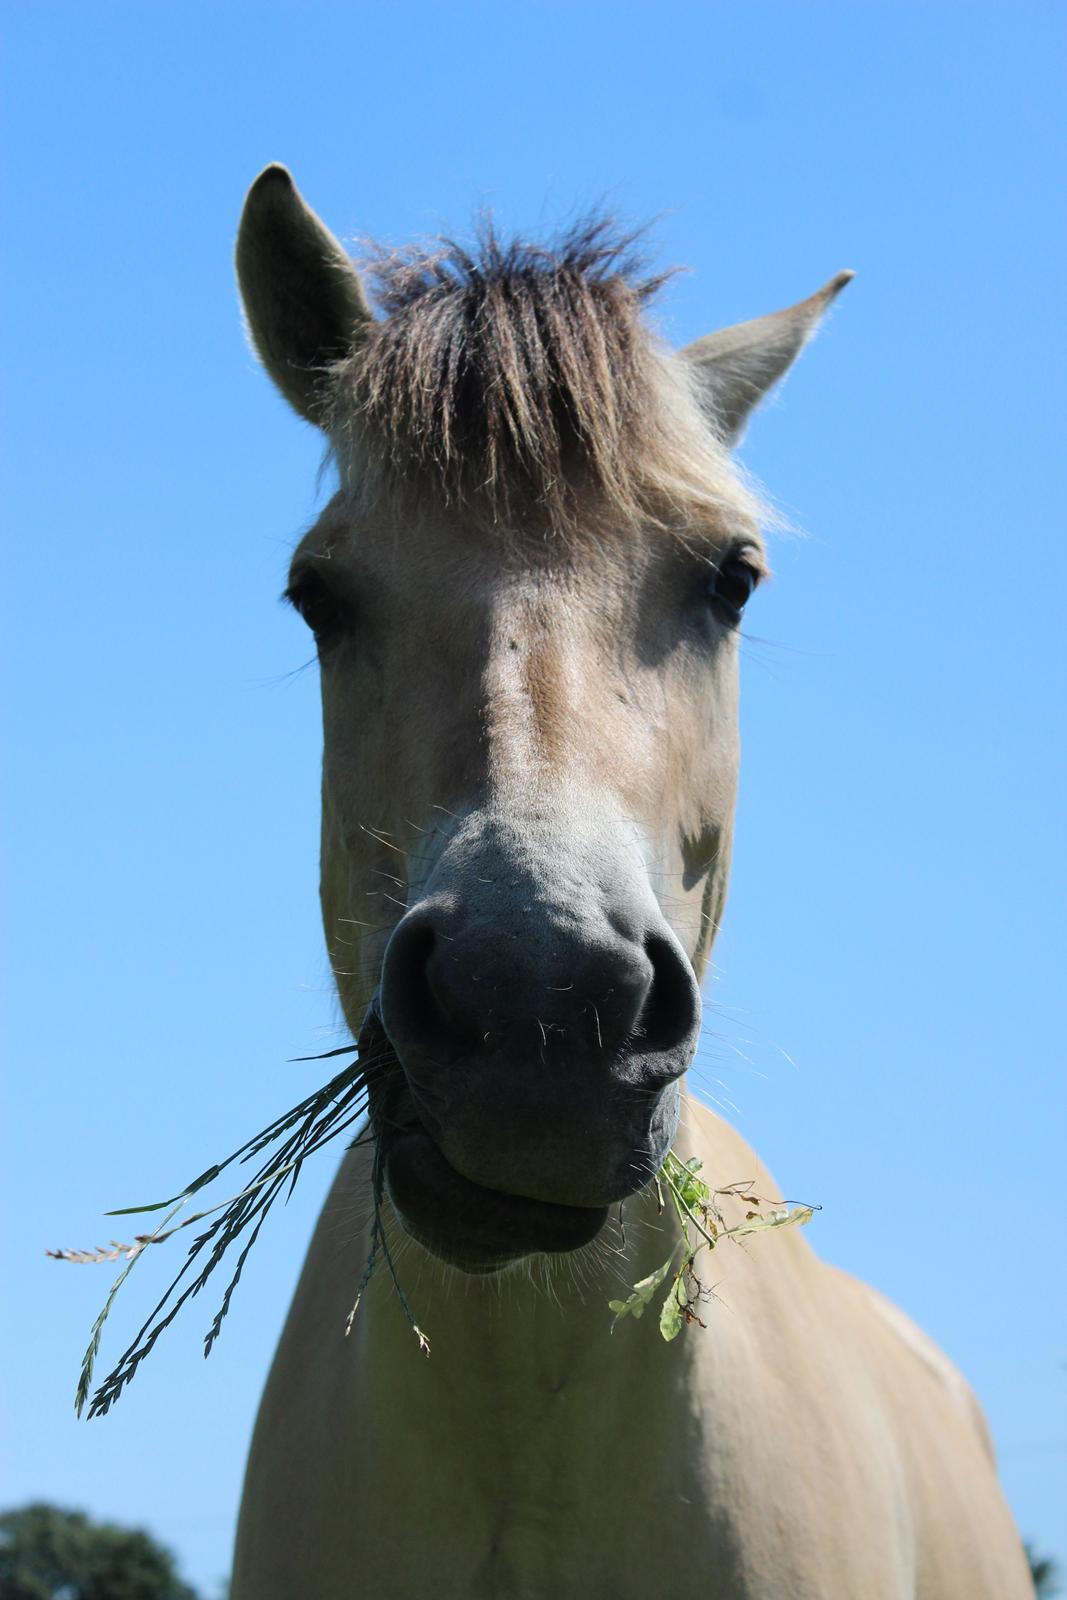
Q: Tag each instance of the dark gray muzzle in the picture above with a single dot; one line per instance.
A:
(542, 1012)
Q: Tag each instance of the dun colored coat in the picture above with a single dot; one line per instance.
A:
(526, 597)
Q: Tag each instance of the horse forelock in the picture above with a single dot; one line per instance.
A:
(520, 383)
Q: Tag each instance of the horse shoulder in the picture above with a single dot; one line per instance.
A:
(838, 1419)
(921, 1349)
(964, 1535)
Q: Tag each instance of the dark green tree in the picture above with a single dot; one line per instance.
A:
(50, 1554)
(1045, 1573)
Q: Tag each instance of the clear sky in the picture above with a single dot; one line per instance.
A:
(887, 1019)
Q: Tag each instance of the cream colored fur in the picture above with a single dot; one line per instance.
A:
(810, 1444)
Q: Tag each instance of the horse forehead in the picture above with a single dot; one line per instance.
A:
(530, 578)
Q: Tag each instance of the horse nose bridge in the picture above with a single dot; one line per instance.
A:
(539, 903)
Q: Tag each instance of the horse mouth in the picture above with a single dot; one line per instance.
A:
(463, 1223)
(467, 1225)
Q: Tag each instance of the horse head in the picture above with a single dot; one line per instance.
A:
(526, 597)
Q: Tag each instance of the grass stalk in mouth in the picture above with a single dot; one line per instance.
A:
(297, 1134)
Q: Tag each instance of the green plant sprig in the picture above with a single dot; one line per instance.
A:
(697, 1208)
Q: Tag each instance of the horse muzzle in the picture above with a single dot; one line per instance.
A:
(537, 1029)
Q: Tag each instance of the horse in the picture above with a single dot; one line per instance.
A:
(526, 597)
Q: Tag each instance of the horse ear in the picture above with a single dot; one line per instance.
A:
(736, 367)
(303, 298)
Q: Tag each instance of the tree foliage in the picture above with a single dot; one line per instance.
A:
(1045, 1573)
(50, 1554)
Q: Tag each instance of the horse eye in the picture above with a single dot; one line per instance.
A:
(731, 585)
(319, 607)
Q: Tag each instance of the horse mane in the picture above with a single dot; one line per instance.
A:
(520, 382)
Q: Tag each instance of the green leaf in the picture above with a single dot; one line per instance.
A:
(646, 1287)
(672, 1313)
(160, 1205)
(781, 1218)
(636, 1303)
(691, 1189)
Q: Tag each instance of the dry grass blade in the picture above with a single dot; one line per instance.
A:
(115, 1252)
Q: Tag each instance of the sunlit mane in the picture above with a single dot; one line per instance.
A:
(520, 382)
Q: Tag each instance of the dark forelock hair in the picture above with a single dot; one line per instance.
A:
(514, 377)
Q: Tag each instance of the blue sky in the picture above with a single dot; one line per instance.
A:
(884, 1019)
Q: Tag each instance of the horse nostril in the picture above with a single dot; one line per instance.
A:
(670, 1014)
(407, 998)
(420, 1007)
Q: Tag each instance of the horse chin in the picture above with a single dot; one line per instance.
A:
(468, 1226)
